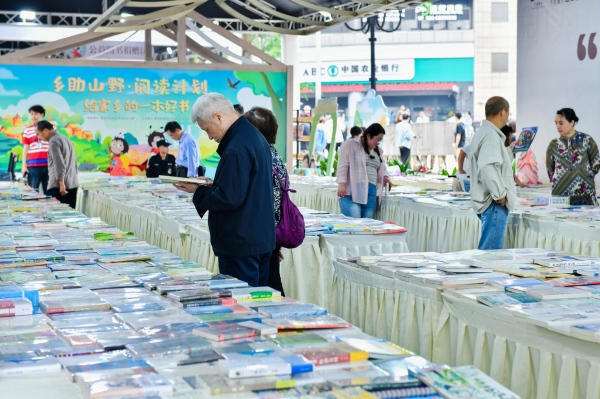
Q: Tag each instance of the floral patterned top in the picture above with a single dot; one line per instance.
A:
(572, 165)
(277, 189)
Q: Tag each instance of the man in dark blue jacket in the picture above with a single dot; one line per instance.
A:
(241, 220)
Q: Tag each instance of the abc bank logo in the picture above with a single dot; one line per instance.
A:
(333, 70)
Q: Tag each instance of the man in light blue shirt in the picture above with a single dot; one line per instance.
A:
(404, 136)
(188, 157)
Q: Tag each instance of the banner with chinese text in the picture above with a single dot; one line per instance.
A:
(95, 105)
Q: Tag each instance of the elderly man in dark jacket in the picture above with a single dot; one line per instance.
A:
(241, 220)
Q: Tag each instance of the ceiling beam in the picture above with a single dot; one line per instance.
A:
(202, 20)
(46, 49)
(194, 46)
(181, 39)
(107, 14)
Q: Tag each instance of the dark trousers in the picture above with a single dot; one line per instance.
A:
(252, 269)
(404, 155)
(182, 171)
(37, 175)
(70, 198)
(274, 276)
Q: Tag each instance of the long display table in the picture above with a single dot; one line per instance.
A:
(532, 361)
(306, 271)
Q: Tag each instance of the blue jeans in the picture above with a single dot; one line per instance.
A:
(252, 269)
(354, 210)
(493, 226)
(37, 175)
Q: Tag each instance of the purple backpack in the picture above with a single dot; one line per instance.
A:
(290, 230)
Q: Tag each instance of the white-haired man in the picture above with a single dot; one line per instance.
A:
(241, 220)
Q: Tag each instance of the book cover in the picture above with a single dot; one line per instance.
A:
(291, 338)
(562, 261)
(261, 329)
(254, 293)
(376, 347)
(169, 346)
(146, 385)
(242, 365)
(303, 310)
(321, 355)
(544, 293)
(35, 365)
(450, 384)
(230, 332)
(575, 281)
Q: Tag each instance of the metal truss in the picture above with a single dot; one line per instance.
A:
(49, 19)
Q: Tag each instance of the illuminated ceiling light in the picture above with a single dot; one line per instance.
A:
(27, 15)
(169, 50)
(125, 15)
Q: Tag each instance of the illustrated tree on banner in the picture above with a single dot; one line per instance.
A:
(371, 109)
(325, 106)
(272, 86)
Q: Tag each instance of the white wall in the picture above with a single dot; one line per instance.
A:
(356, 46)
(551, 76)
(494, 37)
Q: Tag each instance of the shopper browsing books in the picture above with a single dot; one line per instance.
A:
(188, 158)
(35, 152)
(361, 174)
(240, 200)
(266, 123)
(572, 161)
(493, 192)
(163, 163)
(62, 164)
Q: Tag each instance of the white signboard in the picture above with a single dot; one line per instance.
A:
(557, 66)
(110, 50)
(358, 70)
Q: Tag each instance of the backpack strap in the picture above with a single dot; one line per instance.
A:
(287, 182)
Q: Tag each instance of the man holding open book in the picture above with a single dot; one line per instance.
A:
(241, 220)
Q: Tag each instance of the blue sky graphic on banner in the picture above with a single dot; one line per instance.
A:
(93, 105)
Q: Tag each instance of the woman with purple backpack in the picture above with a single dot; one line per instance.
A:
(266, 123)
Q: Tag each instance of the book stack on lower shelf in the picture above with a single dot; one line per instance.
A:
(130, 320)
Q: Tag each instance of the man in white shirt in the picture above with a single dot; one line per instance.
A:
(493, 193)
(422, 118)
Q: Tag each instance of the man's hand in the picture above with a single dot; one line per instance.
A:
(342, 190)
(187, 187)
(208, 181)
(501, 201)
(462, 172)
(24, 170)
(281, 256)
(62, 189)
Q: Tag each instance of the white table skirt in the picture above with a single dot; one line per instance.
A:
(306, 271)
(532, 361)
(403, 313)
(570, 237)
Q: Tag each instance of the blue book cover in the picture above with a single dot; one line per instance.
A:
(302, 310)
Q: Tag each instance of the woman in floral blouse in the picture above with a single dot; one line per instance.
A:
(572, 161)
(266, 123)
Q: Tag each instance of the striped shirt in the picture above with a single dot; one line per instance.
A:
(38, 150)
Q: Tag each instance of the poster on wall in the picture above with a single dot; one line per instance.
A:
(116, 112)
(557, 67)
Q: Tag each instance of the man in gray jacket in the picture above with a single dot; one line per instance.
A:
(493, 193)
(62, 164)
